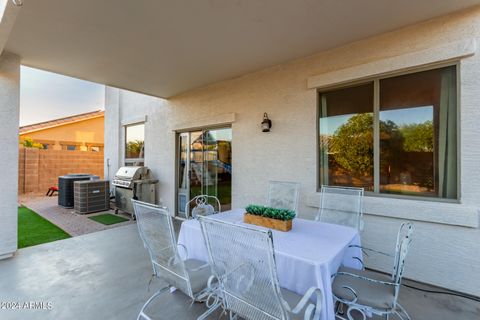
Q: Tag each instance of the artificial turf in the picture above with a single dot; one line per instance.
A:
(34, 229)
(107, 219)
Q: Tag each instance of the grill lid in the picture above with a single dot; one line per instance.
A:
(131, 173)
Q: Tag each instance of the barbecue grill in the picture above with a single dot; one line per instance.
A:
(133, 183)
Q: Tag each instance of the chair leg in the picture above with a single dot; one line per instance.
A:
(339, 308)
(402, 313)
(142, 314)
(209, 311)
(352, 309)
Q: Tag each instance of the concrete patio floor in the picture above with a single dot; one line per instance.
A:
(105, 275)
(66, 218)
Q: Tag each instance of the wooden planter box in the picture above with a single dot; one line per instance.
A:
(268, 222)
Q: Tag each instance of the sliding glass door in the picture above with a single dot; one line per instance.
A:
(204, 166)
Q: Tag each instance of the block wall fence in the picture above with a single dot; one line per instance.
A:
(39, 169)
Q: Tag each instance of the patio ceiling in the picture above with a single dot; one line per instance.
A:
(163, 48)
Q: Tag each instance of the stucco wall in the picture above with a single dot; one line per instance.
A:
(117, 115)
(444, 253)
(9, 106)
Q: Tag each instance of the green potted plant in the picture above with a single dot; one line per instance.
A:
(278, 219)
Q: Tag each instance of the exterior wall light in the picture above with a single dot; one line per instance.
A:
(266, 123)
(17, 3)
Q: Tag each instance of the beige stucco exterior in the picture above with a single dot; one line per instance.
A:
(446, 250)
(84, 134)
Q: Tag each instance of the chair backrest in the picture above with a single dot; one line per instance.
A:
(404, 240)
(341, 205)
(283, 195)
(242, 258)
(156, 231)
(203, 206)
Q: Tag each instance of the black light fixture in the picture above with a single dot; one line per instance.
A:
(266, 123)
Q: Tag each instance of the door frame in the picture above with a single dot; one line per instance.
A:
(187, 133)
(178, 137)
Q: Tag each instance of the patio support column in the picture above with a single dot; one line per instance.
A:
(9, 122)
(112, 147)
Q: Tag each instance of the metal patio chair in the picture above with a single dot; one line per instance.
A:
(203, 206)
(341, 205)
(243, 262)
(283, 195)
(366, 292)
(190, 276)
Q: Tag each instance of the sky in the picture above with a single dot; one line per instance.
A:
(136, 132)
(408, 116)
(45, 96)
(401, 117)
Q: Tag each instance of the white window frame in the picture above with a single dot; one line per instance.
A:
(376, 137)
(132, 161)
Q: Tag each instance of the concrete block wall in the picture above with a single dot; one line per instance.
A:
(40, 169)
(30, 172)
(21, 170)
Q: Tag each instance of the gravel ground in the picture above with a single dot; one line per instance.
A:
(67, 219)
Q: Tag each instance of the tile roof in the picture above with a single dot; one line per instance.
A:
(61, 121)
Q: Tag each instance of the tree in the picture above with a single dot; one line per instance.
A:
(418, 137)
(135, 149)
(29, 143)
(352, 145)
(391, 144)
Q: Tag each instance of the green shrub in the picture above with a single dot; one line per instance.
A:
(29, 143)
(268, 212)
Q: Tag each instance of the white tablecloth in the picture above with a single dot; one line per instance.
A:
(306, 256)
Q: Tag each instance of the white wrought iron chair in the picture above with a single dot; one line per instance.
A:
(156, 230)
(366, 292)
(283, 195)
(203, 206)
(243, 261)
(341, 205)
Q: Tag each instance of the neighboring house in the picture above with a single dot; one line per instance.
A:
(63, 141)
(82, 132)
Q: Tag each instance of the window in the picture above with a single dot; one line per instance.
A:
(134, 164)
(347, 119)
(71, 147)
(95, 147)
(395, 135)
(134, 144)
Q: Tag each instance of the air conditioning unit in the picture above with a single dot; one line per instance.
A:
(91, 196)
(65, 188)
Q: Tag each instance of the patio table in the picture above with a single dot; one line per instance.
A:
(305, 256)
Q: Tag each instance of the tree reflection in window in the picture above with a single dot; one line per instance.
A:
(417, 135)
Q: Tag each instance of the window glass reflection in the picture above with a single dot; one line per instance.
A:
(346, 137)
(134, 141)
(418, 153)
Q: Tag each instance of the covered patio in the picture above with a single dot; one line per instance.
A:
(108, 281)
(226, 97)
